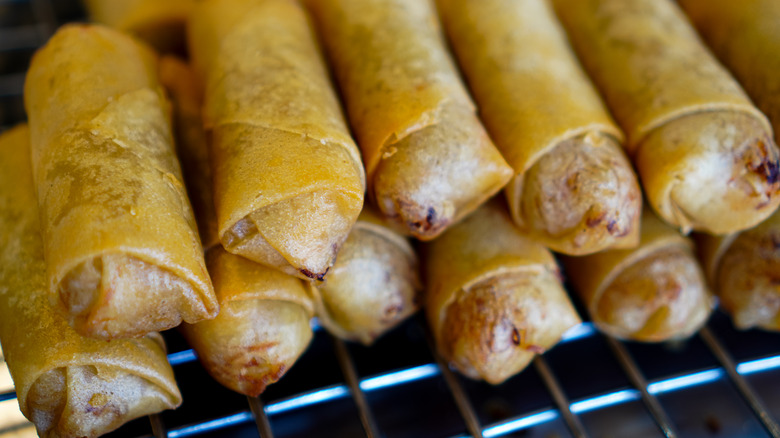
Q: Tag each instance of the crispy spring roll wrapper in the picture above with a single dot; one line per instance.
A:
(574, 189)
(653, 293)
(66, 384)
(744, 270)
(494, 297)
(288, 180)
(121, 245)
(262, 327)
(264, 322)
(704, 153)
(374, 284)
(160, 23)
(428, 158)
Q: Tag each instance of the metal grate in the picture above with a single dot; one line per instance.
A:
(719, 383)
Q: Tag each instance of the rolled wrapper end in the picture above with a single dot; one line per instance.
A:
(94, 394)
(579, 195)
(420, 182)
(94, 292)
(262, 329)
(374, 285)
(495, 326)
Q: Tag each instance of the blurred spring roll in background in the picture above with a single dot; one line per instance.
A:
(66, 384)
(374, 284)
(160, 23)
(494, 297)
(288, 181)
(264, 322)
(574, 190)
(745, 268)
(121, 245)
(653, 293)
(704, 153)
(428, 158)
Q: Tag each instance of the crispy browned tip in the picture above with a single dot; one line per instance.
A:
(496, 327)
(438, 174)
(100, 297)
(748, 280)
(372, 288)
(660, 297)
(712, 171)
(252, 343)
(582, 197)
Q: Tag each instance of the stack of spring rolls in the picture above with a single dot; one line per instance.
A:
(225, 194)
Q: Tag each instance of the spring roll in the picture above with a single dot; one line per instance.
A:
(264, 322)
(288, 180)
(160, 23)
(704, 152)
(120, 241)
(66, 384)
(744, 270)
(428, 158)
(374, 284)
(574, 189)
(494, 297)
(653, 293)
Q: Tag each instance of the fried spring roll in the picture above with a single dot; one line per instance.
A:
(160, 23)
(288, 181)
(744, 270)
(428, 158)
(374, 284)
(66, 384)
(264, 322)
(494, 297)
(121, 245)
(574, 189)
(653, 293)
(704, 153)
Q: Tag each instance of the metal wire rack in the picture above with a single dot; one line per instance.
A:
(719, 383)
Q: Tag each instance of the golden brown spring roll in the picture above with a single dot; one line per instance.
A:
(653, 293)
(374, 284)
(121, 245)
(68, 385)
(494, 297)
(288, 181)
(161, 23)
(428, 158)
(744, 270)
(264, 322)
(704, 153)
(574, 189)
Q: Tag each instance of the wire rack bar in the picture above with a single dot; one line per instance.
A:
(741, 384)
(638, 380)
(43, 10)
(158, 427)
(350, 375)
(258, 411)
(561, 401)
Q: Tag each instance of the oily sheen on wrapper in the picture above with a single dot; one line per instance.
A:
(160, 23)
(264, 322)
(743, 268)
(574, 189)
(66, 384)
(120, 241)
(653, 293)
(374, 285)
(288, 180)
(428, 158)
(494, 298)
(703, 151)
